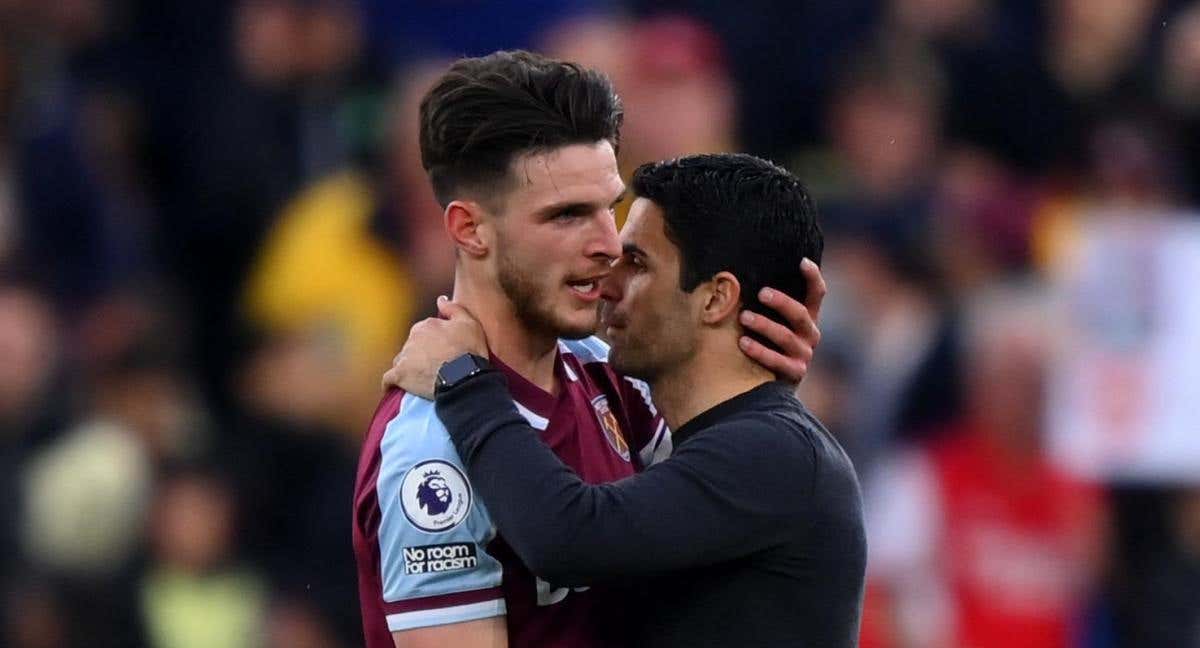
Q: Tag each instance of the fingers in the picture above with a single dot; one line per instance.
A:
(449, 309)
(787, 368)
(783, 337)
(796, 314)
(391, 377)
(816, 288)
(452, 310)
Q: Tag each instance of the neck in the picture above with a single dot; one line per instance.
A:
(528, 353)
(708, 379)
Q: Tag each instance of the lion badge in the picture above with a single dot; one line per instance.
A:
(435, 496)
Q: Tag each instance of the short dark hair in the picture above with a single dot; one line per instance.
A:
(485, 111)
(736, 213)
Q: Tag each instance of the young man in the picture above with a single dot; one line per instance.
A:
(520, 152)
(751, 533)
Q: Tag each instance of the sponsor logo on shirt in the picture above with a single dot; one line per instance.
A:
(608, 423)
(438, 558)
(435, 496)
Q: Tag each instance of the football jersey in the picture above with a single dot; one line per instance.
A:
(427, 552)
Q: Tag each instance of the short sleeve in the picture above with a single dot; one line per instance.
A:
(433, 531)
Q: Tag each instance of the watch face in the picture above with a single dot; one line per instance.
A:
(457, 369)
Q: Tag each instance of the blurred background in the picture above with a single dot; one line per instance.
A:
(215, 231)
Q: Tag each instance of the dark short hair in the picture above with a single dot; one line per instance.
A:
(485, 111)
(735, 213)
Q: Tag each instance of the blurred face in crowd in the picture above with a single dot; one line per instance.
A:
(887, 135)
(194, 524)
(648, 319)
(935, 17)
(27, 344)
(553, 235)
(1110, 21)
(1006, 380)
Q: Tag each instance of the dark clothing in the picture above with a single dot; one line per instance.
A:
(1168, 611)
(751, 533)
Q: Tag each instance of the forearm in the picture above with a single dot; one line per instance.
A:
(538, 503)
(571, 532)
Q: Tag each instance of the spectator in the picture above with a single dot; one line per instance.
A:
(32, 407)
(347, 265)
(903, 374)
(194, 593)
(977, 540)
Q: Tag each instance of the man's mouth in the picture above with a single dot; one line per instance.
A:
(587, 288)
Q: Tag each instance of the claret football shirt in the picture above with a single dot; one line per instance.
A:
(427, 551)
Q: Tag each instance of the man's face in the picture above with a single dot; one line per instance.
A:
(650, 322)
(556, 236)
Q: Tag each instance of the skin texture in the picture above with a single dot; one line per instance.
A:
(649, 322)
(484, 633)
(558, 229)
(682, 343)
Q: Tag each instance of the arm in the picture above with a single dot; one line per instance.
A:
(420, 543)
(714, 500)
(484, 633)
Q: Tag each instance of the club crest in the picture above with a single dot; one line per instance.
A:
(435, 496)
(612, 429)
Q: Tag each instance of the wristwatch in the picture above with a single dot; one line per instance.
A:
(459, 369)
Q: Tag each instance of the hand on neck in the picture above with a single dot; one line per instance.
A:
(528, 353)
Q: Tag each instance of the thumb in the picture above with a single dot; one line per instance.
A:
(453, 311)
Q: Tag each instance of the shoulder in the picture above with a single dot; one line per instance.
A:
(404, 432)
(784, 443)
(782, 426)
(412, 431)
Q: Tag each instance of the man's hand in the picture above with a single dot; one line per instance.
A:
(800, 340)
(431, 343)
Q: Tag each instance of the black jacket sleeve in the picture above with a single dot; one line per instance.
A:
(728, 491)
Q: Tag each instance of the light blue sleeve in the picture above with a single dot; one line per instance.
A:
(433, 532)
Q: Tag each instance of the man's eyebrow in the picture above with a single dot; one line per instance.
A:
(559, 207)
(575, 206)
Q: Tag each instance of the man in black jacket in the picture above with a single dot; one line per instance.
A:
(750, 533)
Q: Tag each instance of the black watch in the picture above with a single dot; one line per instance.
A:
(459, 369)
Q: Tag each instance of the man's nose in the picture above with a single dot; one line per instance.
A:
(610, 287)
(604, 241)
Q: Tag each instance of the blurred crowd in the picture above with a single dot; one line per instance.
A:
(215, 232)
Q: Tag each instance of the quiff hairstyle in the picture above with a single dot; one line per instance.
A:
(484, 112)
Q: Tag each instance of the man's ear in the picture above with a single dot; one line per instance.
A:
(466, 223)
(723, 298)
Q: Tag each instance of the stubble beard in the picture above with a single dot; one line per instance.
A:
(532, 305)
(650, 356)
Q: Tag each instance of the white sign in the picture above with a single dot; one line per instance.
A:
(1124, 397)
